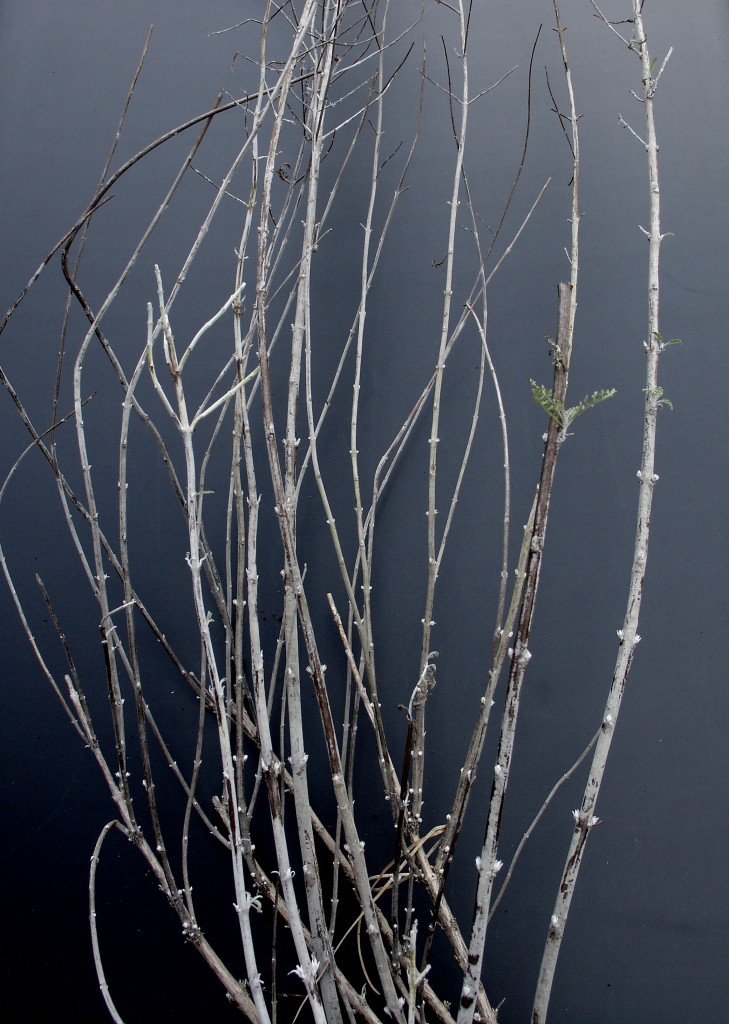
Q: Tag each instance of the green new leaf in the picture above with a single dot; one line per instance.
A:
(658, 397)
(664, 344)
(556, 411)
(589, 401)
(544, 397)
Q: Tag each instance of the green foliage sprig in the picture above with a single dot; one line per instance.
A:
(657, 395)
(664, 344)
(555, 409)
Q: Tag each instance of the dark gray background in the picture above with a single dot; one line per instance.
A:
(648, 938)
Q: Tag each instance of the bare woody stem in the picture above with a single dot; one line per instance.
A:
(418, 770)
(295, 581)
(488, 865)
(585, 818)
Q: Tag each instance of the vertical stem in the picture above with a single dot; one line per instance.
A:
(323, 56)
(244, 901)
(432, 512)
(584, 818)
(488, 865)
(317, 670)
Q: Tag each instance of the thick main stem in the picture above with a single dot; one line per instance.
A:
(488, 865)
